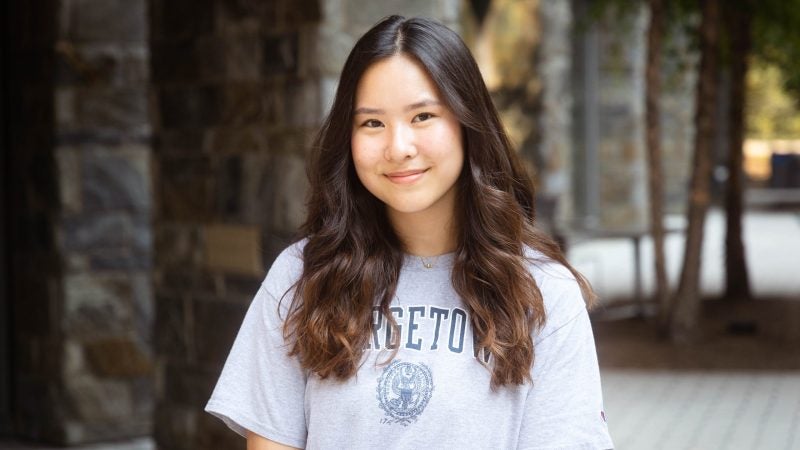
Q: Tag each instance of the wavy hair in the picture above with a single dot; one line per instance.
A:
(352, 256)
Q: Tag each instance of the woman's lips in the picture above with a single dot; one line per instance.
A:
(406, 176)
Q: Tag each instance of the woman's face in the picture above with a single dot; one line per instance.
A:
(406, 143)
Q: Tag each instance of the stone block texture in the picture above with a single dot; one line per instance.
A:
(236, 95)
(104, 235)
(81, 239)
(609, 159)
(620, 113)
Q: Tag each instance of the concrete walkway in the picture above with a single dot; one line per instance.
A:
(133, 444)
(702, 410)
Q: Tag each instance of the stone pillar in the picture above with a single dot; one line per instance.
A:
(622, 47)
(679, 85)
(609, 73)
(80, 239)
(555, 119)
(236, 92)
(102, 138)
(346, 20)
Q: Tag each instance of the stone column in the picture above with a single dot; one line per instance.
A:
(555, 119)
(80, 239)
(102, 149)
(621, 121)
(610, 169)
(236, 93)
(346, 20)
(679, 75)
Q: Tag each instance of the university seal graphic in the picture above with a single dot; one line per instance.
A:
(404, 390)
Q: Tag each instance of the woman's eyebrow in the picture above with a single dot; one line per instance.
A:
(422, 104)
(413, 106)
(365, 110)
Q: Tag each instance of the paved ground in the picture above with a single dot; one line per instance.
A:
(700, 410)
(703, 410)
(697, 410)
(134, 444)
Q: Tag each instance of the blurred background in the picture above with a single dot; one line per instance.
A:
(153, 166)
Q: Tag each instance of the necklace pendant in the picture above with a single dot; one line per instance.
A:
(428, 263)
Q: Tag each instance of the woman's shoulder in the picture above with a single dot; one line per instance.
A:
(561, 293)
(286, 269)
(547, 271)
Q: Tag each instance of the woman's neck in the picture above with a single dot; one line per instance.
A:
(425, 233)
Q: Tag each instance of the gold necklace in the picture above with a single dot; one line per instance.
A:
(427, 263)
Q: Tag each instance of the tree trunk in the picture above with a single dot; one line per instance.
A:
(737, 282)
(687, 299)
(655, 177)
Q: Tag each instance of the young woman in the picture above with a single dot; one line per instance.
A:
(422, 308)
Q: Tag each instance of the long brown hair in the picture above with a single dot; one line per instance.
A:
(352, 257)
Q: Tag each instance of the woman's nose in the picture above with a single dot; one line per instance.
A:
(401, 144)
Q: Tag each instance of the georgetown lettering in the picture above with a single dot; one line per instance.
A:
(423, 328)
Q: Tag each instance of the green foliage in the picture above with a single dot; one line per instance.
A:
(776, 39)
(771, 112)
(600, 12)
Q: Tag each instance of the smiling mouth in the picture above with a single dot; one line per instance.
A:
(406, 176)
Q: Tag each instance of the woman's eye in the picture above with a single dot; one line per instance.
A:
(422, 117)
(372, 123)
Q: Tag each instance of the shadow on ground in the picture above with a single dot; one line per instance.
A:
(758, 335)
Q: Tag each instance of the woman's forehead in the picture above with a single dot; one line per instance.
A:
(397, 81)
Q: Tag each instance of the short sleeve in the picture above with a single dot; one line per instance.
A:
(564, 408)
(261, 388)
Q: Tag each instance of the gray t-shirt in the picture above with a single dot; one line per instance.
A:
(435, 393)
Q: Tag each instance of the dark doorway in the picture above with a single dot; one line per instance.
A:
(5, 304)
(27, 199)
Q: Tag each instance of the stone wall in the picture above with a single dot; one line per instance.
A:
(236, 95)
(79, 237)
(345, 20)
(102, 149)
(555, 118)
(679, 83)
(610, 173)
(620, 112)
